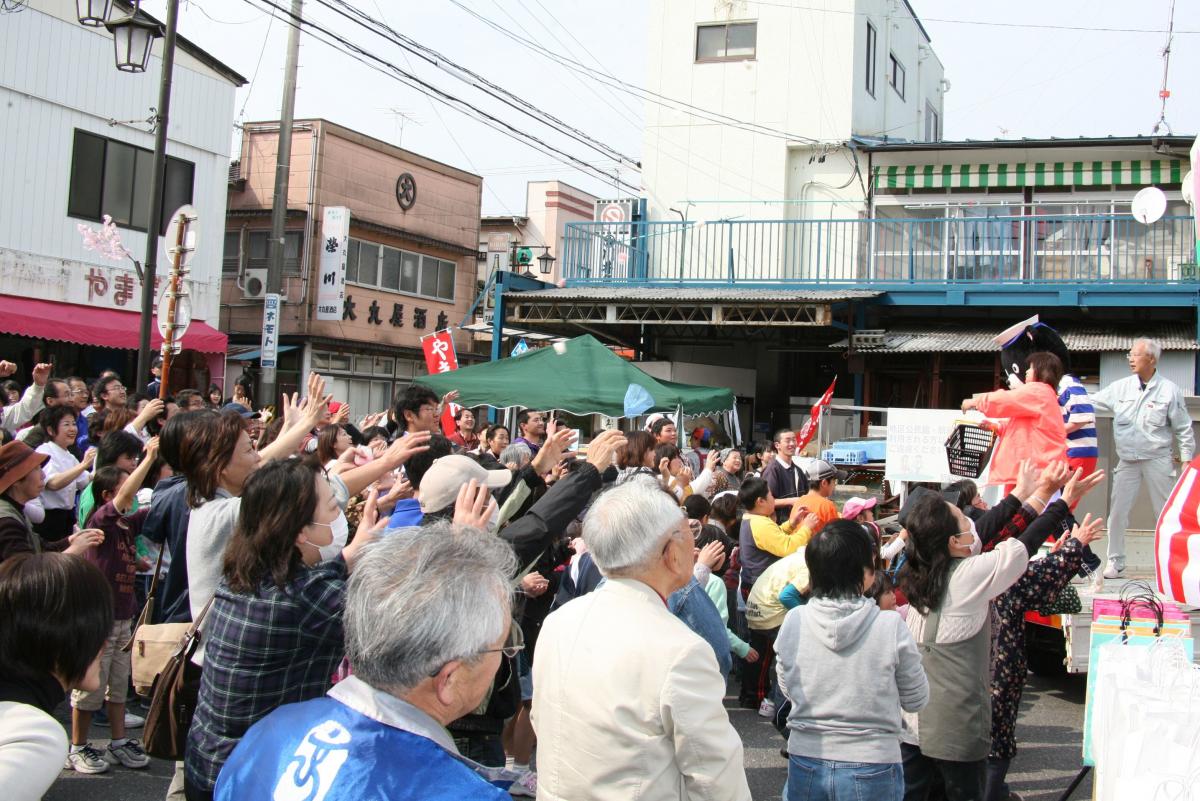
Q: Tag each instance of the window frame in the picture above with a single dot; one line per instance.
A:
(438, 263)
(872, 58)
(697, 59)
(895, 65)
(74, 211)
(932, 113)
(291, 265)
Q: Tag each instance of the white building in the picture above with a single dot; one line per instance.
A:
(75, 146)
(783, 86)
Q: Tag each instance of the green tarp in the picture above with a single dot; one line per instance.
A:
(579, 376)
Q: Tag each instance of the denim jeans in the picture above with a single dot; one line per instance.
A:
(829, 780)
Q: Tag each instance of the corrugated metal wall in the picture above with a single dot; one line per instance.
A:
(1178, 366)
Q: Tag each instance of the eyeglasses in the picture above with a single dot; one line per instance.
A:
(515, 643)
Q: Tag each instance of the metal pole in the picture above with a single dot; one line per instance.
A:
(283, 168)
(154, 225)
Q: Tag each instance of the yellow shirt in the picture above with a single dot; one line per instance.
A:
(763, 608)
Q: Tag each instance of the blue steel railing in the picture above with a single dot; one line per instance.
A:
(1000, 249)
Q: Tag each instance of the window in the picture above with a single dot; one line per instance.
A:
(112, 177)
(896, 74)
(732, 41)
(931, 123)
(872, 38)
(258, 253)
(396, 270)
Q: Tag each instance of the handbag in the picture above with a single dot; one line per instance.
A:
(1067, 603)
(152, 644)
(173, 698)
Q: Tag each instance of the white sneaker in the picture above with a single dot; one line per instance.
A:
(128, 753)
(766, 709)
(87, 759)
(526, 786)
(1112, 570)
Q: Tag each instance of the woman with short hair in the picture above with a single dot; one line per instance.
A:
(273, 634)
(727, 476)
(65, 475)
(57, 611)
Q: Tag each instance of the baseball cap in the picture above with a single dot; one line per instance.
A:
(441, 483)
(855, 506)
(819, 469)
(240, 409)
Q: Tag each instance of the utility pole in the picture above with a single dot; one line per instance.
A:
(154, 226)
(267, 390)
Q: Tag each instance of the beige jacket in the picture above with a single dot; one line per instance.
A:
(628, 705)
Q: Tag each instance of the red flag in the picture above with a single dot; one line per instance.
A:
(806, 432)
(441, 358)
(1177, 540)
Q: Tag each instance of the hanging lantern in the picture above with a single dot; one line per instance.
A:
(133, 38)
(93, 13)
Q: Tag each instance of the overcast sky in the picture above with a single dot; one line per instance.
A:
(1007, 82)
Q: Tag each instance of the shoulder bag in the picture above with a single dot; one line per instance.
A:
(173, 697)
(152, 644)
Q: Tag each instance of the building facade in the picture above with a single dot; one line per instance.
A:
(77, 146)
(414, 230)
(774, 91)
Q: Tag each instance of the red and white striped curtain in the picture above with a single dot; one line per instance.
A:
(1177, 540)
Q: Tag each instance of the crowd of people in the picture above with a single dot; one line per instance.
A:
(392, 609)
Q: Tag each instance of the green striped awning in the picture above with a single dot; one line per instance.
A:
(1040, 173)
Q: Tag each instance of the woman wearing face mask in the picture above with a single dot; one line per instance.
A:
(274, 631)
(949, 595)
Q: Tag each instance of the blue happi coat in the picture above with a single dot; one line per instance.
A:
(356, 744)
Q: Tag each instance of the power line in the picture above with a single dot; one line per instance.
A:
(474, 79)
(386, 67)
(982, 23)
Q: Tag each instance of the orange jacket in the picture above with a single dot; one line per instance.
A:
(1034, 429)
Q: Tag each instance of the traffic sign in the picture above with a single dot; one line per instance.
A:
(187, 215)
(612, 213)
(183, 311)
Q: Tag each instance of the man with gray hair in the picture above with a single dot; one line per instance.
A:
(428, 618)
(1148, 416)
(628, 701)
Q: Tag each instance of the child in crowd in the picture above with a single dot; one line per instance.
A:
(114, 489)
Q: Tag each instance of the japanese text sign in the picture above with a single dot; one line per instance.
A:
(439, 352)
(331, 286)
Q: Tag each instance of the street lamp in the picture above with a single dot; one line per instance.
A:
(93, 13)
(133, 38)
(545, 261)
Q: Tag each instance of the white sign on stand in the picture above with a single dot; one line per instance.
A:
(335, 240)
(916, 445)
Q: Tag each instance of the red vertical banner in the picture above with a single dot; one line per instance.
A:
(439, 352)
(441, 358)
(806, 432)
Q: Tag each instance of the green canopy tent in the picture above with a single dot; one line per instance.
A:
(579, 376)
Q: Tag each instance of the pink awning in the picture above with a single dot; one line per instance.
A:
(85, 325)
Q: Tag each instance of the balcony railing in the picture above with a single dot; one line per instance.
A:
(974, 250)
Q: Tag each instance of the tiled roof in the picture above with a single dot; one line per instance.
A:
(1172, 336)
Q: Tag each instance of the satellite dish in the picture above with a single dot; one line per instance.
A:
(1149, 205)
(1189, 189)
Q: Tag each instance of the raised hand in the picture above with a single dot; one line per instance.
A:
(1078, 486)
(710, 462)
(474, 506)
(403, 449)
(1027, 476)
(712, 555)
(84, 540)
(1089, 530)
(41, 372)
(1052, 477)
(552, 450)
(602, 449)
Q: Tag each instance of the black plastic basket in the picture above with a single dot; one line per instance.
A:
(968, 449)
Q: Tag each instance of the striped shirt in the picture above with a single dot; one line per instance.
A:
(1077, 408)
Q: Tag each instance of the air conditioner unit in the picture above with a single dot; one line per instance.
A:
(254, 284)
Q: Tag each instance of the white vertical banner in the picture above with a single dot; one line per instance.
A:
(335, 238)
(270, 332)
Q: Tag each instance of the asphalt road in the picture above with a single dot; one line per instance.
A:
(1048, 736)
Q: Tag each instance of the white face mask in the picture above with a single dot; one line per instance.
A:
(340, 529)
(976, 543)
